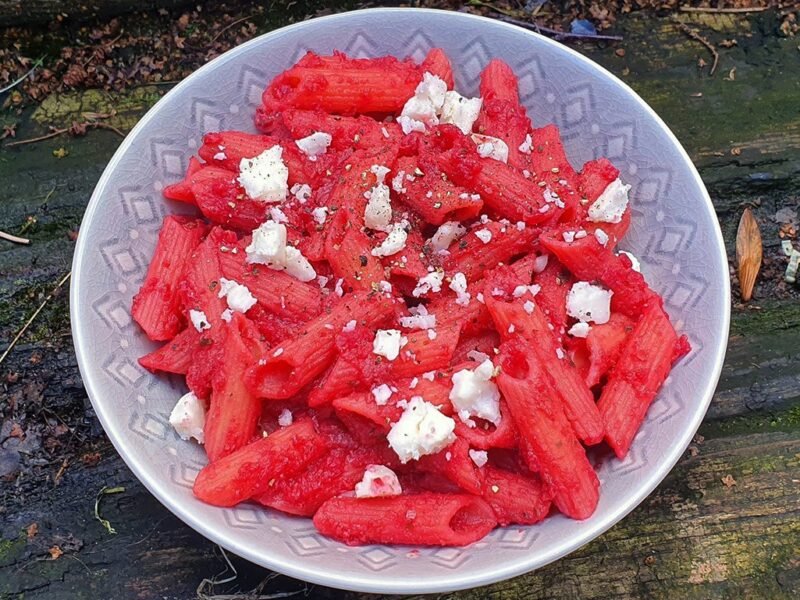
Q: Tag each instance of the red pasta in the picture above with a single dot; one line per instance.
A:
(400, 311)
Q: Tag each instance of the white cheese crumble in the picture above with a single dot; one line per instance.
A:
(382, 393)
(459, 285)
(446, 234)
(540, 263)
(350, 326)
(611, 204)
(460, 111)
(635, 264)
(378, 212)
(474, 394)
(432, 282)
(479, 457)
(587, 302)
(265, 177)
(394, 242)
(315, 144)
(521, 290)
(188, 418)
(268, 247)
(277, 215)
(529, 307)
(421, 430)
(601, 236)
(199, 320)
(477, 356)
(484, 235)
(220, 156)
(420, 318)
(387, 343)
(320, 214)
(580, 329)
(378, 482)
(569, 236)
(424, 106)
(525, 147)
(491, 147)
(237, 295)
(397, 182)
(301, 191)
(285, 418)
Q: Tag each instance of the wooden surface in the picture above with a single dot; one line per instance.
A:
(724, 524)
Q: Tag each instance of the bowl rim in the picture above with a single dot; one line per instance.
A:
(380, 582)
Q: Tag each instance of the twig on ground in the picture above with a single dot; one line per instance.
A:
(555, 33)
(60, 473)
(35, 314)
(116, 130)
(228, 26)
(41, 138)
(14, 238)
(695, 35)
(702, 9)
(100, 494)
(16, 82)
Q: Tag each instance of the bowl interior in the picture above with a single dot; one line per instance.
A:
(674, 233)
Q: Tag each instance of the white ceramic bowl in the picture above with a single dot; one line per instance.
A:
(674, 233)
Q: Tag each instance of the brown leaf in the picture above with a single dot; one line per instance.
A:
(55, 552)
(748, 253)
(32, 530)
(728, 481)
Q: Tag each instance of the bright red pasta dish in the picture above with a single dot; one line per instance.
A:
(402, 311)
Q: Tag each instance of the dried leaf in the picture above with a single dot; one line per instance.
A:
(748, 253)
(55, 552)
(32, 530)
(728, 481)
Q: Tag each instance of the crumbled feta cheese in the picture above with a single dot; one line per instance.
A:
(580, 329)
(199, 320)
(429, 375)
(460, 111)
(315, 144)
(188, 418)
(378, 482)
(635, 264)
(477, 356)
(385, 132)
(220, 156)
(425, 105)
(525, 147)
(419, 319)
(227, 315)
(407, 124)
(378, 212)
(320, 214)
(611, 204)
(446, 234)
(421, 430)
(479, 298)
(552, 198)
(521, 290)
(277, 215)
(560, 354)
(459, 285)
(268, 246)
(337, 289)
(491, 147)
(569, 236)
(265, 177)
(479, 457)
(285, 418)
(301, 191)
(587, 302)
(540, 263)
(529, 307)
(382, 393)
(474, 394)
(521, 225)
(580, 234)
(397, 182)
(387, 343)
(380, 172)
(414, 383)
(484, 235)
(237, 295)
(384, 287)
(601, 236)
(350, 326)
(432, 334)
(394, 242)
(298, 266)
(432, 282)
